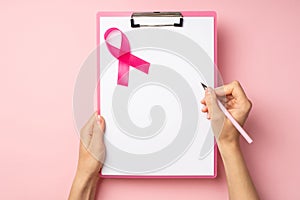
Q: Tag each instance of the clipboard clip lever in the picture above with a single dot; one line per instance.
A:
(139, 15)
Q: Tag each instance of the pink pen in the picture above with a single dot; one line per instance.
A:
(233, 121)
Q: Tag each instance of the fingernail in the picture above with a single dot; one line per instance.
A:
(208, 116)
(98, 119)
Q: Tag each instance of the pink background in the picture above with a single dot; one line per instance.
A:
(42, 46)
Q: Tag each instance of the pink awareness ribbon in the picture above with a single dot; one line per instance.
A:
(126, 59)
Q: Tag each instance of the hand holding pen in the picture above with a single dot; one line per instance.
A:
(227, 120)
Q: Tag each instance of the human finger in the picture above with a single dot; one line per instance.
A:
(89, 124)
(203, 101)
(211, 102)
(87, 130)
(234, 88)
(204, 109)
(96, 146)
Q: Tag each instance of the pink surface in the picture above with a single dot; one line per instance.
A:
(42, 46)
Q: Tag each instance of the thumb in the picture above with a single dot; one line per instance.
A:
(216, 115)
(211, 103)
(96, 146)
(86, 132)
(100, 122)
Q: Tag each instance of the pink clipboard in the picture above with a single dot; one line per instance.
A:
(184, 14)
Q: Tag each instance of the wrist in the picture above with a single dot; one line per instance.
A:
(84, 180)
(88, 168)
(228, 138)
(86, 174)
(226, 147)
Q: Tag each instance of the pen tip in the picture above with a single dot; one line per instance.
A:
(204, 86)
